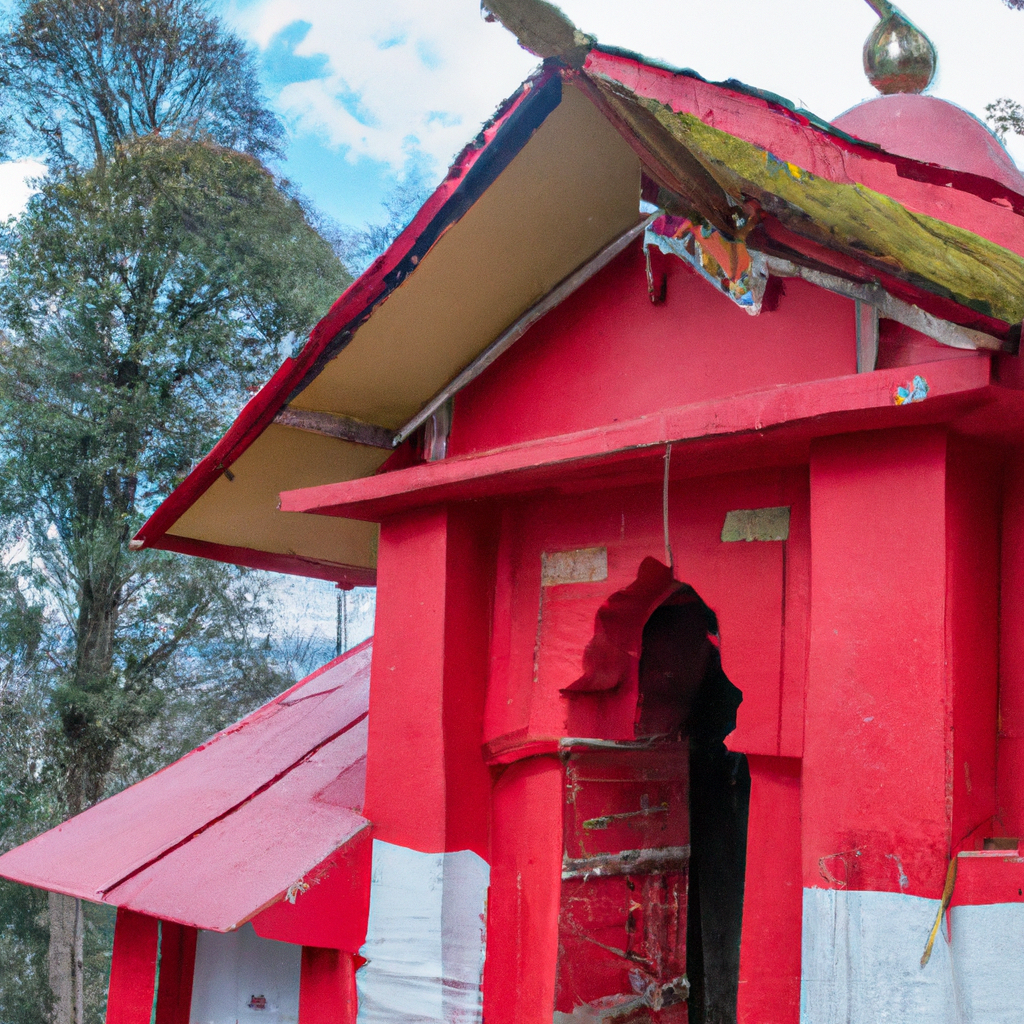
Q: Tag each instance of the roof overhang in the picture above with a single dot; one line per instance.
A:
(262, 822)
(527, 210)
(773, 427)
(547, 186)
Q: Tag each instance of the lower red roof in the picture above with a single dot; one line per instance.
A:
(234, 826)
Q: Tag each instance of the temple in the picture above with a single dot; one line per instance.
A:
(682, 435)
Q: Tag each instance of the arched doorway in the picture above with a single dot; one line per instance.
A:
(654, 829)
(684, 695)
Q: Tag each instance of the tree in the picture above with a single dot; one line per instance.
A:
(140, 301)
(86, 77)
(1005, 116)
(153, 280)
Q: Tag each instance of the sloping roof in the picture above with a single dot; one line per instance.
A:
(228, 829)
(549, 186)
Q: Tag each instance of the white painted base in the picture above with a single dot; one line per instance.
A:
(862, 953)
(425, 938)
(234, 967)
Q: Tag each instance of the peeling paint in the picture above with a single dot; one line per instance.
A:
(582, 565)
(425, 938)
(861, 961)
(915, 391)
(756, 524)
(735, 270)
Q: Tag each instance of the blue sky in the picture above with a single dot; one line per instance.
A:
(370, 89)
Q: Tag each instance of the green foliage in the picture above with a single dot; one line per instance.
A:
(155, 279)
(24, 988)
(1005, 116)
(141, 301)
(87, 77)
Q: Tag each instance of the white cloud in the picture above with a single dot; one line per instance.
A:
(810, 51)
(14, 188)
(405, 76)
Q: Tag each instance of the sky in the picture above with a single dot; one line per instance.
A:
(370, 91)
(373, 91)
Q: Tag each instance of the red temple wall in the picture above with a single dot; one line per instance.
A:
(608, 354)
(758, 589)
(1010, 769)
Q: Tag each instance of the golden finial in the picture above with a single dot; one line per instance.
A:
(898, 56)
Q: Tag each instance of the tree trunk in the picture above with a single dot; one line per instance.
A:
(90, 750)
(67, 934)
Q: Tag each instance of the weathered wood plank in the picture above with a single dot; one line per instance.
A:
(331, 425)
(542, 29)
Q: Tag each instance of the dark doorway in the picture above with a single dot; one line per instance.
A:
(684, 693)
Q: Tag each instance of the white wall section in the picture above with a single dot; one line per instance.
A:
(862, 961)
(425, 938)
(243, 979)
(988, 963)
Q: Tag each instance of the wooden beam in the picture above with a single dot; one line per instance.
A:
(736, 430)
(332, 425)
(891, 308)
(867, 336)
(542, 29)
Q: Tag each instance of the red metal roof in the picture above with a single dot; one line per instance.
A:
(232, 826)
(989, 208)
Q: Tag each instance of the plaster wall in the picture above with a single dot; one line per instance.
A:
(243, 979)
(608, 354)
(864, 643)
(758, 590)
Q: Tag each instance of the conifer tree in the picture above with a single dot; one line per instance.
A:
(152, 282)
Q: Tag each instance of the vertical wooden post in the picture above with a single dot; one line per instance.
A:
(133, 968)
(177, 968)
(327, 987)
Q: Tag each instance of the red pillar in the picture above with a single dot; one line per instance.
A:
(526, 877)
(878, 739)
(973, 511)
(133, 968)
(430, 791)
(1011, 656)
(769, 991)
(177, 969)
(140, 942)
(327, 987)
